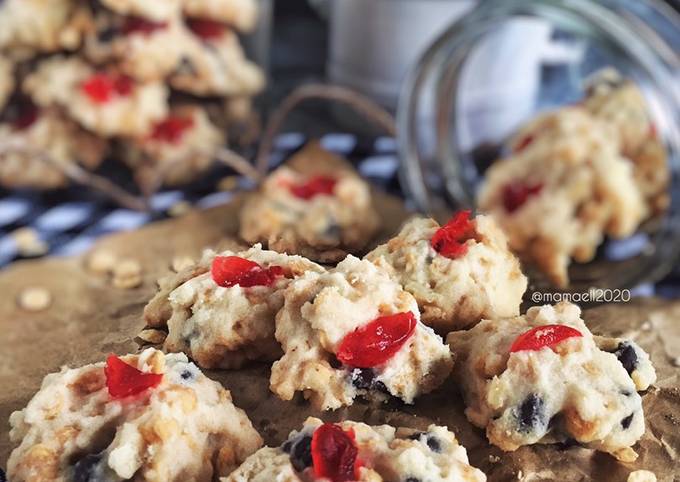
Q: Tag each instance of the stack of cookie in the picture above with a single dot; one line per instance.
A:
(158, 85)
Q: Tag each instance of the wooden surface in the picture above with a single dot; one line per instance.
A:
(89, 318)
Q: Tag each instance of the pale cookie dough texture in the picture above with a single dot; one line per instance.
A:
(486, 282)
(59, 81)
(320, 310)
(185, 429)
(620, 103)
(223, 326)
(6, 81)
(48, 132)
(28, 27)
(386, 454)
(323, 228)
(155, 11)
(178, 149)
(562, 190)
(240, 14)
(574, 391)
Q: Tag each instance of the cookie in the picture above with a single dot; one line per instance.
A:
(354, 331)
(141, 48)
(239, 14)
(103, 101)
(154, 11)
(221, 311)
(320, 216)
(178, 148)
(28, 27)
(6, 81)
(459, 273)
(46, 131)
(147, 417)
(214, 64)
(564, 187)
(542, 378)
(356, 451)
(619, 102)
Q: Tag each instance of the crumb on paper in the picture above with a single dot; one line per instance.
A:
(180, 208)
(101, 261)
(180, 263)
(127, 274)
(28, 242)
(35, 299)
(642, 476)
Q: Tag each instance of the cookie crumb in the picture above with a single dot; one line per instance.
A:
(646, 326)
(642, 476)
(179, 209)
(155, 337)
(35, 299)
(180, 263)
(494, 459)
(127, 274)
(29, 243)
(101, 261)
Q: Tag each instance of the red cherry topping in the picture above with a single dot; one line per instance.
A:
(516, 194)
(524, 142)
(316, 186)
(207, 29)
(449, 240)
(334, 453)
(543, 336)
(141, 25)
(172, 129)
(26, 115)
(101, 87)
(228, 271)
(124, 380)
(375, 343)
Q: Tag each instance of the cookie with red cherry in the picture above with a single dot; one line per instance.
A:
(459, 273)
(353, 331)
(176, 149)
(322, 215)
(221, 311)
(145, 417)
(544, 378)
(353, 451)
(38, 133)
(239, 14)
(104, 101)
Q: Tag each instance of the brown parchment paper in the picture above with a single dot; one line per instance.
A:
(89, 319)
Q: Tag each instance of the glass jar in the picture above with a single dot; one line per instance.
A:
(507, 60)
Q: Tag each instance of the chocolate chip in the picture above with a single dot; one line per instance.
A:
(531, 414)
(301, 453)
(433, 444)
(187, 375)
(362, 378)
(87, 469)
(3, 478)
(106, 35)
(627, 356)
(625, 423)
(287, 445)
(412, 479)
(415, 435)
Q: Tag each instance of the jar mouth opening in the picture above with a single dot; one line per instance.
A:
(443, 147)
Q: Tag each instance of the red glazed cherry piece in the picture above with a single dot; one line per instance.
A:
(124, 380)
(516, 194)
(378, 341)
(316, 186)
(543, 336)
(449, 240)
(207, 29)
(101, 88)
(228, 271)
(141, 25)
(334, 454)
(172, 129)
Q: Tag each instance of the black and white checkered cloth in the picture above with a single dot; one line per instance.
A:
(71, 219)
